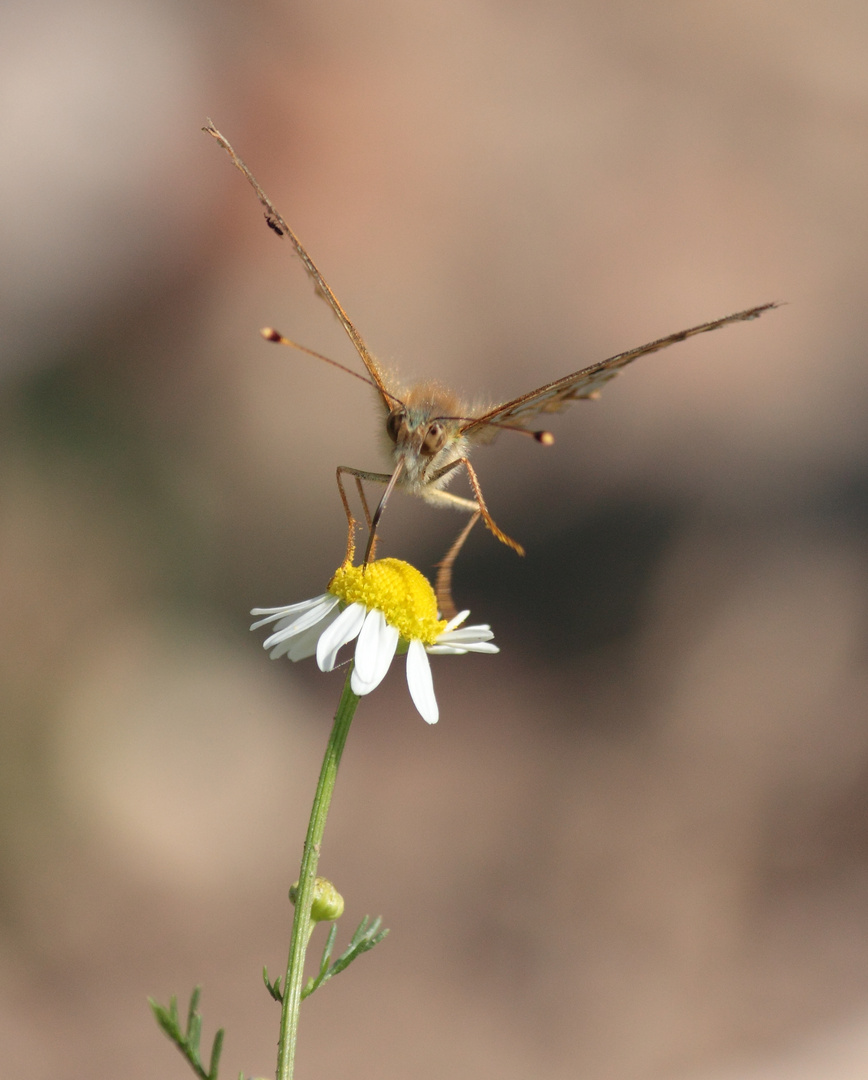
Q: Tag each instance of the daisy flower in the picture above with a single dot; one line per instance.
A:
(387, 607)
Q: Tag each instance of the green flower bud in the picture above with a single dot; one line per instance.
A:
(328, 904)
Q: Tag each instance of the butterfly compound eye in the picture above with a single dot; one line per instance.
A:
(434, 439)
(394, 423)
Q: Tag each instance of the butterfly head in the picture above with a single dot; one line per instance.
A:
(425, 433)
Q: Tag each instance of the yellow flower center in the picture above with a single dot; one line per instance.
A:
(397, 589)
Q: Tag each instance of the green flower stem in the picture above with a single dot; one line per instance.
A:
(301, 924)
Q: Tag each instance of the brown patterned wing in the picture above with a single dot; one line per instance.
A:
(587, 383)
(275, 221)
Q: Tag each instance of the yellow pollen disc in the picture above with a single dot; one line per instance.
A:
(397, 589)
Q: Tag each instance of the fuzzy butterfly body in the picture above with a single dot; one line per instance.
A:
(429, 431)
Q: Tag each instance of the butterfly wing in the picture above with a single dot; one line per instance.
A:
(276, 222)
(587, 383)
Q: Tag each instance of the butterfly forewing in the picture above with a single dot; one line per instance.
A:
(277, 224)
(587, 383)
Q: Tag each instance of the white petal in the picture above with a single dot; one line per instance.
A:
(272, 614)
(288, 628)
(420, 682)
(462, 650)
(304, 645)
(463, 640)
(457, 621)
(482, 632)
(375, 650)
(334, 637)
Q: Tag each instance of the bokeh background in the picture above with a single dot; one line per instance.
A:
(636, 845)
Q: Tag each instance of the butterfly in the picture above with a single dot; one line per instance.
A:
(430, 432)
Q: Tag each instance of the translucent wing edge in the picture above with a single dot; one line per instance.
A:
(276, 222)
(587, 382)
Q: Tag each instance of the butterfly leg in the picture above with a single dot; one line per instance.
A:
(443, 583)
(358, 475)
(352, 524)
(438, 495)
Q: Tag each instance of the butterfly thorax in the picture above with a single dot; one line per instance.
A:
(426, 432)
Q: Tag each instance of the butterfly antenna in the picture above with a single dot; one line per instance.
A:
(270, 334)
(544, 437)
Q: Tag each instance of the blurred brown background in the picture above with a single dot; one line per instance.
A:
(636, 844)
